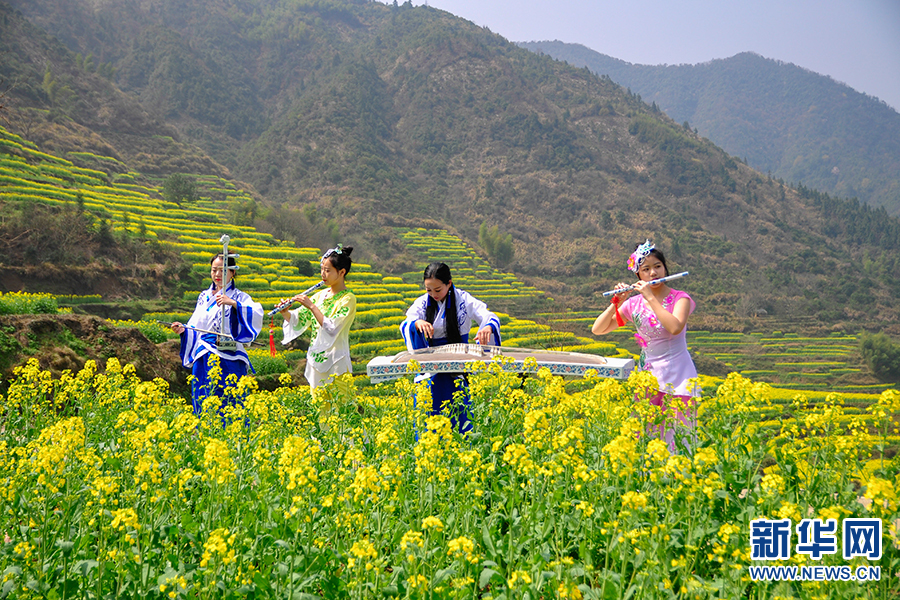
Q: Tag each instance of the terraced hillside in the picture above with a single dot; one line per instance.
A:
(269, 267)
(788, 360)
(818, 366)
(269, 272)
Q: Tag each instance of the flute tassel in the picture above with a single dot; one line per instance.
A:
(272, 351)
(619, 320)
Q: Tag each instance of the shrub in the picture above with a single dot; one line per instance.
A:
(153, 331)
(24, 303)
(881, 355)
(266, 364)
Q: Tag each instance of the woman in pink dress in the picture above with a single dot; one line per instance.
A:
(660, 315)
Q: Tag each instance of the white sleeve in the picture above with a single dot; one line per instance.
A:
(294, 327)
(417, 310)
(330, 330)
(479, 313)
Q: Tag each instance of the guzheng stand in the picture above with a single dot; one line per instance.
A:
(457, 358)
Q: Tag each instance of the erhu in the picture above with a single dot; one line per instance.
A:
(225, 341)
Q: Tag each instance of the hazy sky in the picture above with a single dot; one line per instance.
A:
(856, 42)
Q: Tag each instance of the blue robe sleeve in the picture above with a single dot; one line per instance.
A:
(190, 341)
(246, 321)
(412, 336)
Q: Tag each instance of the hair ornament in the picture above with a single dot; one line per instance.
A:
(338, 250)
(638, 256)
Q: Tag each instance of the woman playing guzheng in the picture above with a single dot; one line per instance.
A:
(242, 323)
(444, 315)
(659, 315)
(330, 313)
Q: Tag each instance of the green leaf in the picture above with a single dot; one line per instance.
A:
(7, 588)
(69, 588)
(65, 546)
(486, 576)
(86, 566)
(488, 542)
(442, 575)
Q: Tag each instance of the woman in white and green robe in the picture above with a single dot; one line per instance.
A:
(329, 313)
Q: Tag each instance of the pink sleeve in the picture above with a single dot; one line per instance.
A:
(626, 309)
(679, 295)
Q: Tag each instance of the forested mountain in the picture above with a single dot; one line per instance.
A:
(785, 120)
(68, 103)
(370, 115)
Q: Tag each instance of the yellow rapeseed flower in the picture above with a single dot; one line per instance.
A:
(519, 578)
(462, 548)
(217, 460)
(634, 500)
(125, 518)
(882, 494)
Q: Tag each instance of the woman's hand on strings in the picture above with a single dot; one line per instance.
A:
(484, 335)
(425, 328)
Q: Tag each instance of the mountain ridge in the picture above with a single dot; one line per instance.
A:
(784, 119)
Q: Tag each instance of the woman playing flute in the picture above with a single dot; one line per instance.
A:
(444, 315)
(660, 315)
(330, 313)
(242, 323)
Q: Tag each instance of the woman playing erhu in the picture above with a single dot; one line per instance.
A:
(242, 323)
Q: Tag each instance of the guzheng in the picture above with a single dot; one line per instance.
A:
(457, 358)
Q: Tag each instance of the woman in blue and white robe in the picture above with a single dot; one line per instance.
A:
(444, 315)
(243, 321)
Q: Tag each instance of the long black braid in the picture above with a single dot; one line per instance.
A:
(441, 272)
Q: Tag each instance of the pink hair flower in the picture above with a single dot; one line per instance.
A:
(638, 256)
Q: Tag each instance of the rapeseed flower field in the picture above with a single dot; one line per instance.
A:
(112, 488)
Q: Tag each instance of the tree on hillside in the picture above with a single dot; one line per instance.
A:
(244, 212)
(180, 189)
(881, 355)
(498, 246)
(3, 109)
(59, 94)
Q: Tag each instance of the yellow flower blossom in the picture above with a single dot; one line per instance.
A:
(462, 548)
(217, 459)
(519, 578)
(124, 518)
